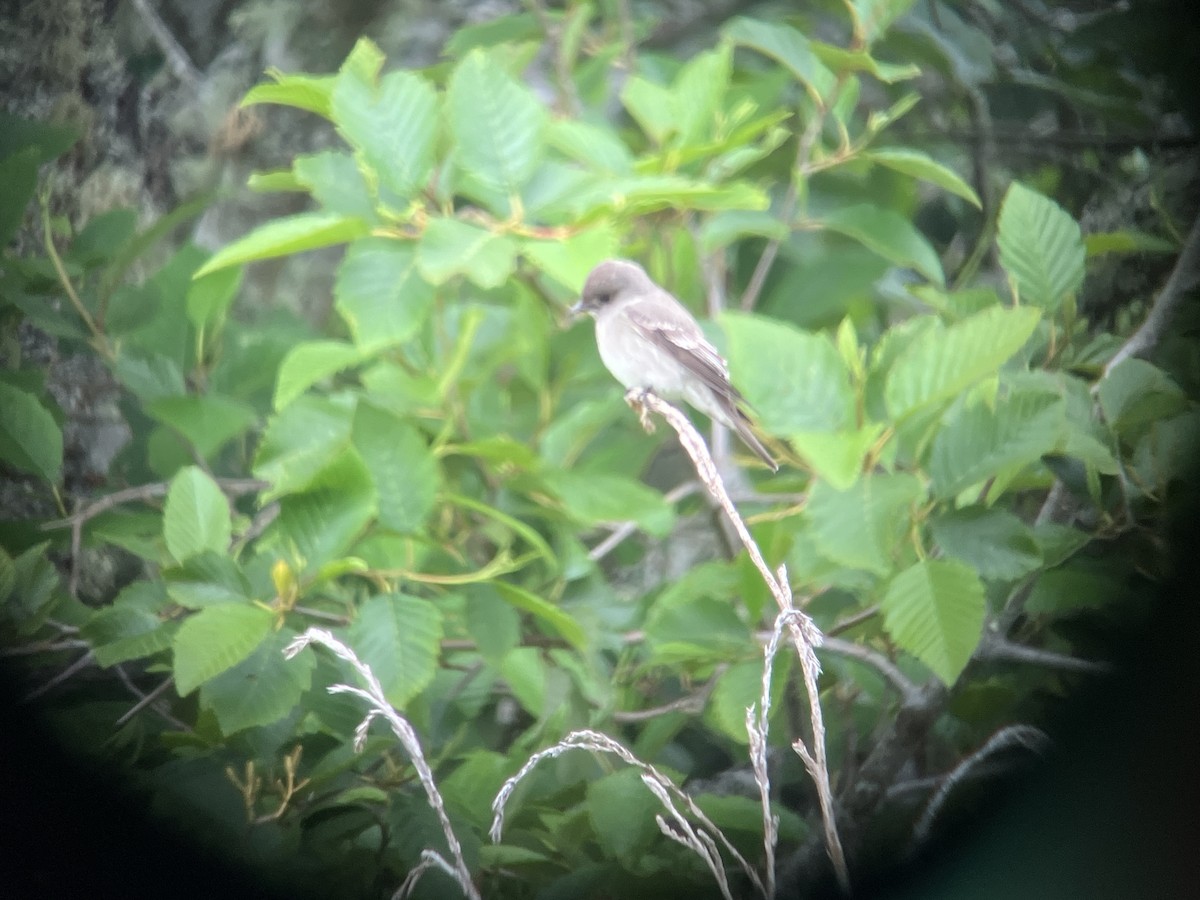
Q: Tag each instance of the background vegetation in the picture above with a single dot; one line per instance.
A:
(943, 245)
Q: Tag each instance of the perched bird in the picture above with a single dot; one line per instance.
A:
(648, 339)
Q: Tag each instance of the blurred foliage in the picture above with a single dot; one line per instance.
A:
(426, 473)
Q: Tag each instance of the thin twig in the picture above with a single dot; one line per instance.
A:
(1024, 736)
(692, 704)
(625, 529)
(1182, 279)
(78, 666)
(908, 689)
(177, 58)
(997, 647)
(147, 699)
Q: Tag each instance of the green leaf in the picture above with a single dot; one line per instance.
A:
(287, 235)
(210, 296)
(837, 457)
(934, 610)
(217, 639)
(919, 165)
(739, 688)
(133, 627)
(861, 527)
(335, 181)
(261, 689)
(794, 380)
(787, 46)
(310, 362)
(643, 194)
(207, 421)
(942, 362)
(872, 18)
(30, 439)
(558, 619)
(596, 147)
(392, 125)
(301, 440)
(622, 813)
(404, 471)
(496, 124)
(698, 93)
(50, 141)
(494, 624)
(842, 60)
(1126, 241)
(1135, 393)
(890, 235)
(18, 174)
(600, 499)
(650, 105)
(525, 671)
(206, 579)
(993, 542)
(380, 294)
(568, 261)
(308, 92)
(451, 247)
(732, 225)
(399, 637)
(980, 442)
(1041, 247)
(322, 522)
(196, 515)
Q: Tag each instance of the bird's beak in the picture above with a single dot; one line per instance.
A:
(575, 311)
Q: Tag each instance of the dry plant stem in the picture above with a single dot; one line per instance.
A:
(805, 635)
(704, 843)
(379, 707)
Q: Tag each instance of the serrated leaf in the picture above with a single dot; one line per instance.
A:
(698, 92)
(568, 261)
(30, 439)
(206, 421)
(404, 471)
(285, 236)
(392, 125)
(934, 610)
(321, 522)
(837, 457)
(598, 148)
(301, 440)
(196, 515)
(1041, 247)
(525, 671)
(890, 235)
(335, 182)
(794, 380)
(1128, 389)
(981, 441)
(861, 527)
(380, 294)
(621, 811)
(451, 247)
(496, 124)
(939, 363)
(651, 105)
(494, 624)
(261, 689)
(739, 688)
(399, 637)
(310, 362)
(217, 639)
(920, 165)
(132, 627)
(206, 579)
(787, 46)
(993, 542)
(599, 499)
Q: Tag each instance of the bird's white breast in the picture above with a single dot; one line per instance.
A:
(635, 361)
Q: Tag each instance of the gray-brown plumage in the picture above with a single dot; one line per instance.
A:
(648, 339)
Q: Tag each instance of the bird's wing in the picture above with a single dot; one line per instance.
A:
(681, 339)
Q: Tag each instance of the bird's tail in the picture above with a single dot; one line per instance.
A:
(745, 429)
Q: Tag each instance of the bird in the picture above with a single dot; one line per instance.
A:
(647, 339)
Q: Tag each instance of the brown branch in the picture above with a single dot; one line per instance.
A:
(908, 689)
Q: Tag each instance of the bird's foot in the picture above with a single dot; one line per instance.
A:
(636, 398)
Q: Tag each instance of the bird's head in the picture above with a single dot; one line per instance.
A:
(609, 281)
